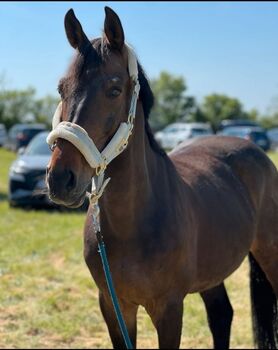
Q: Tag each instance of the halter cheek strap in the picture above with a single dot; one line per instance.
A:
(81, 140)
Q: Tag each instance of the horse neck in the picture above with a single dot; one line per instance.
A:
(136, 176)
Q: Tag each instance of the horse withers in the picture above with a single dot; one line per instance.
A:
(172, 224)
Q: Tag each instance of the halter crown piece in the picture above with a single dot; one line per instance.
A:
(79, 137)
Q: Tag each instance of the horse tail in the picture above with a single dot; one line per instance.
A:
(264, 308)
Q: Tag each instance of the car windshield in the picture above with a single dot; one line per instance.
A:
(239, 132)
(200, 131)
(38, 146)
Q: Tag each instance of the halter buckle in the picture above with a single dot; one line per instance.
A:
(100, 169)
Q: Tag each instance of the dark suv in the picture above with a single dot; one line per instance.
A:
(255, 134)
(236, 122)
(21, 134)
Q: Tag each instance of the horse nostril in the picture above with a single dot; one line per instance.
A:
(71, 180)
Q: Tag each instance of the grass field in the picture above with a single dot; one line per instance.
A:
(48, 299)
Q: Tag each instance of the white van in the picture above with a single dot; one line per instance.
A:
(176, 133)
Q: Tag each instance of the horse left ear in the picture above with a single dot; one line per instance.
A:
(113, 29)
(76, 37)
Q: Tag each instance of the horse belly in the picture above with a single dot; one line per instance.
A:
(222, 243)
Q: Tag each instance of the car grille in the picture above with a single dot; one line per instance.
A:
(31, 179)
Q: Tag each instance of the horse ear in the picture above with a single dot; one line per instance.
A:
(76, 37)
(113, 29)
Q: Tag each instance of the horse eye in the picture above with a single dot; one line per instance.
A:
(115, 92)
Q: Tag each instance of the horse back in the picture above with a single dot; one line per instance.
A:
(233, 161)
(227, 179)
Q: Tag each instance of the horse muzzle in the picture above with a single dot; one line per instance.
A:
(64, 188)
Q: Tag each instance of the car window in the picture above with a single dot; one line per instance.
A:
(258, 135)
(200, 131)
(273, 133)
(32, 132)
(14, 131)
(38, 146)
(233, 132)
(175, 128)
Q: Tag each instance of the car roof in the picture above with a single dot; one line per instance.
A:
(239, 122)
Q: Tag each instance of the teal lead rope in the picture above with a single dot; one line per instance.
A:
(98, 186)
(112, 292)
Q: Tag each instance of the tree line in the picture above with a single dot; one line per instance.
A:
(172, 104)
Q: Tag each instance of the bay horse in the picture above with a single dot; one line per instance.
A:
(174, 223)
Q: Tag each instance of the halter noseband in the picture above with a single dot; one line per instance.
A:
(79, 137)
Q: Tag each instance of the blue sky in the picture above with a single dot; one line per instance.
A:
(219, 47)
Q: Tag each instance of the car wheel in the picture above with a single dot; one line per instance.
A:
(12, 204)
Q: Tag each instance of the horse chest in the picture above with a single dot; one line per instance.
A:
(137, 277)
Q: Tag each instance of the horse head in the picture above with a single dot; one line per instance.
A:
(96, 93)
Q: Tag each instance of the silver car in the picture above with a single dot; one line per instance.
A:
(176, 133)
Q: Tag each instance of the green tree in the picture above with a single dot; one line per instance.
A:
(171, 104)
(252, 115)
(269, 121)
(15, 105)
(20, 106)
(194, 112)
(217, 107)
(44, 108)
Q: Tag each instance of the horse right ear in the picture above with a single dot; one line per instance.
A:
(113, 29)
(76, 37)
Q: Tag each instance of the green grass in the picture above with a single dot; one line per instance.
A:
(48, 299)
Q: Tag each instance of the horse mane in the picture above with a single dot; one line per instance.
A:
(147, 98)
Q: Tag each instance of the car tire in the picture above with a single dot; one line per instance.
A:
(12, 204)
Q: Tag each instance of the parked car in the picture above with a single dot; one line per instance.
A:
(3, 135)
(21, 134)
(273, 136)
(27, 185)
(176, 133)
(236, 122)
(255, 134)
(27, 174)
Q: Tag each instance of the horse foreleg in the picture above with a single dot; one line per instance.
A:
(220, 315)
(129, 312)
(166, 316)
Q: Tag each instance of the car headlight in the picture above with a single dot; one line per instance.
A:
(158, 136)
(18, 168)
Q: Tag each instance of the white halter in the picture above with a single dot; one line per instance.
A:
(80, 139)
